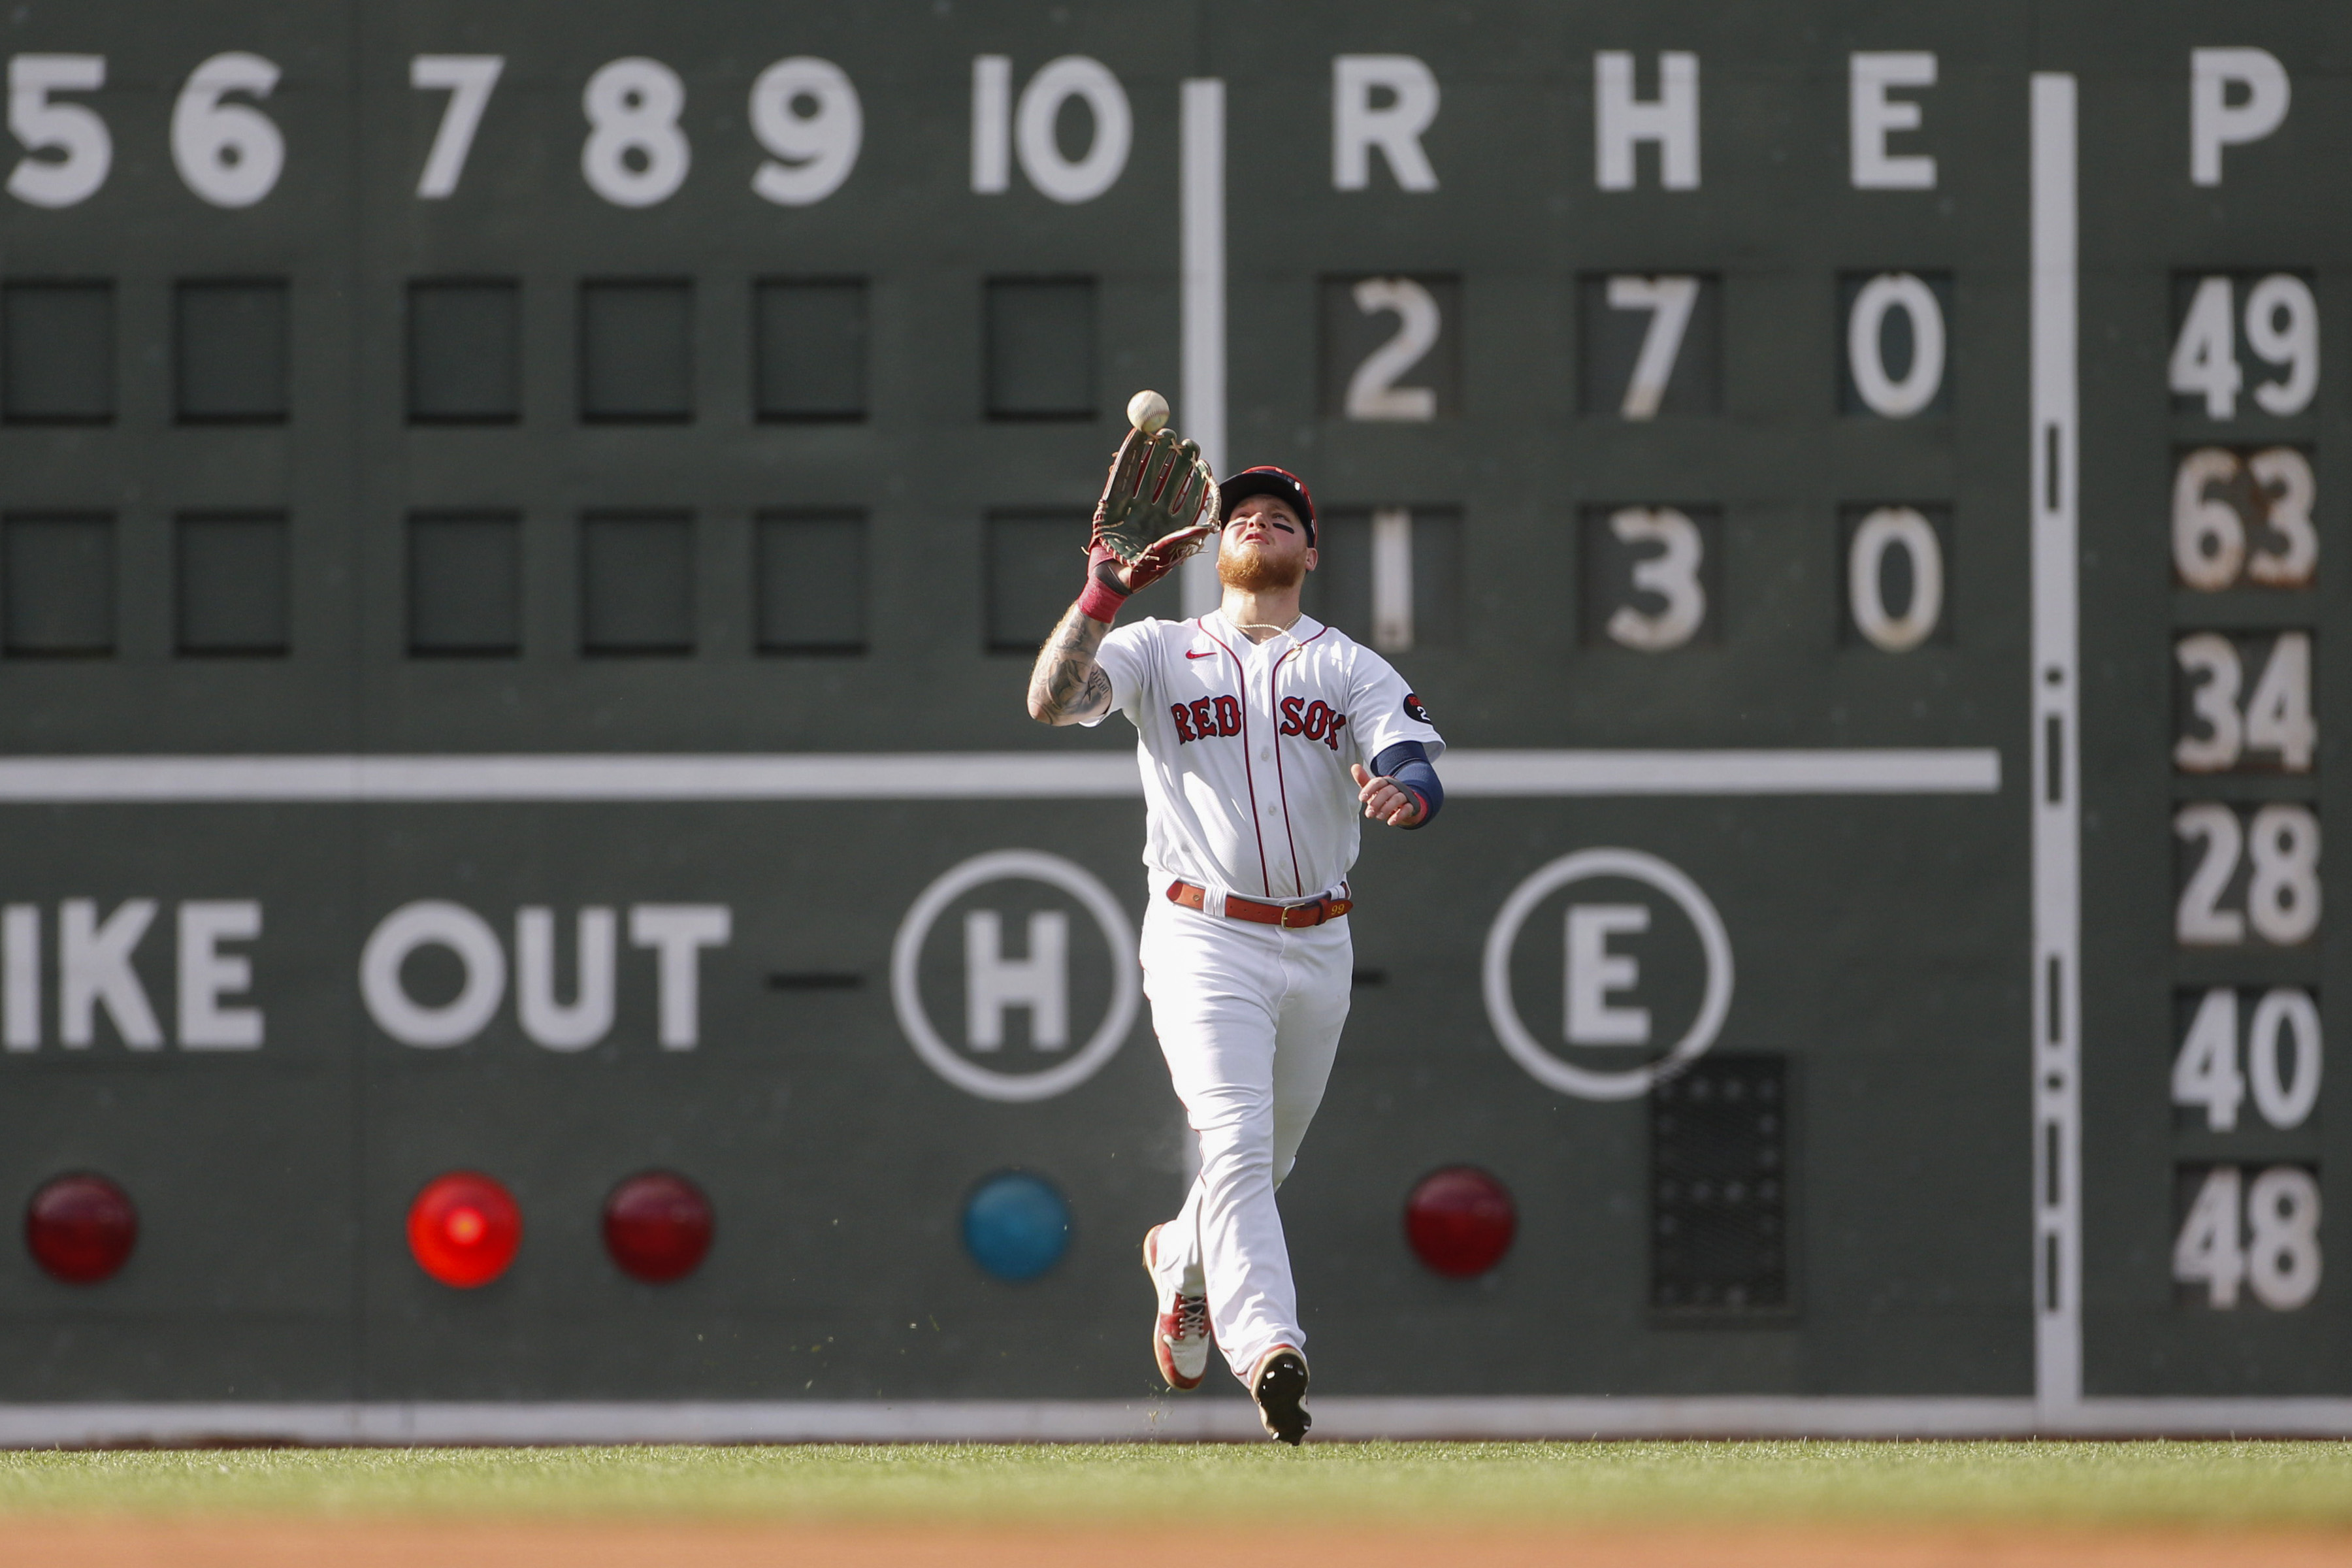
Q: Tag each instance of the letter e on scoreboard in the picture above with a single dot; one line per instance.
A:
(1595, 973)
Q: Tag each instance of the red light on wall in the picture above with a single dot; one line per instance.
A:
(1460, 1221)
(80, 1228)
(463, 1229)
(658, 1227)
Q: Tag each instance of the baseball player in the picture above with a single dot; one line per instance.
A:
(1263, 733)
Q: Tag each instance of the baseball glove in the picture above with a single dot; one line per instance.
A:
(1158, 506)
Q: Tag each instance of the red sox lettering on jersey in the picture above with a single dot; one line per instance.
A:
(1205, 718)
(1245, 748)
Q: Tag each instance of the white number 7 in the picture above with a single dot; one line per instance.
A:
(468, 80)
(1669, 302)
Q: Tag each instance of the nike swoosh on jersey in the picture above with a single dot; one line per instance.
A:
(1210, 654)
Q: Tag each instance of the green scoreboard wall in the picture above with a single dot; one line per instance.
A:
(522, 529)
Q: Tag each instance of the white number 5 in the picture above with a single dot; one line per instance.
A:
(66, 127)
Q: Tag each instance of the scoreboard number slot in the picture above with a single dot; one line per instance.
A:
(1650, 344)
(1391, 348)
(1895, 343)
(2262, 1235)
(2260, 876)
(2244, 519)
(1372, 391)
(1647, 575)
(1895, 577)
(2271, 727)
(2281, 1058)
(2280, 322)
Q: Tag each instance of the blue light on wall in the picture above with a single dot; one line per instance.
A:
(1016, 1225)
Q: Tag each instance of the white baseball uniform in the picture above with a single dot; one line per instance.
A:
(1246, 750)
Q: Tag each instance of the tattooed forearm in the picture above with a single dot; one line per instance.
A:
(1067, 687)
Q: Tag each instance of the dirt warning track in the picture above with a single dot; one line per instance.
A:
(389, 1543)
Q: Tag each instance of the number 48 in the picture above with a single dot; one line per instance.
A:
(2276, 1254)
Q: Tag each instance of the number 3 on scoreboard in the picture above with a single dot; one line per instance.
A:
(2276, 1252)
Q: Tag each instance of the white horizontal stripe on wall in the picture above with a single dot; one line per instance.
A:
(937, 775)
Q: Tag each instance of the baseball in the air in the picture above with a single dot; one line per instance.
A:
(1147, 411)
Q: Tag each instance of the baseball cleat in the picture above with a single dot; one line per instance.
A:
(1179, 1329)
(1280, 1386)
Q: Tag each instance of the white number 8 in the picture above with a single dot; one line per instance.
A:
(816, 150)
(2283, 1256)
(633, 105)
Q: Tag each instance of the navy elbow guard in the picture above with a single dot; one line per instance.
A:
(1409, 765)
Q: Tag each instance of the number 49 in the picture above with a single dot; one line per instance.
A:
(2282, 323)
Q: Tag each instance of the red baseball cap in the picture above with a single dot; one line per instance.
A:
(1266, 479)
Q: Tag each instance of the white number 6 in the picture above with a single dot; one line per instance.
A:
(227, 153)
(66, 127)
(816, 150)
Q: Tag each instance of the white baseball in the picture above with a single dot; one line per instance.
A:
(1148, 412)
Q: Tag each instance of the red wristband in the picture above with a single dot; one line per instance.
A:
(1099, 602)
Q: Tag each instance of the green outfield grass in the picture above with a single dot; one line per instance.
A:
(2305, 1484)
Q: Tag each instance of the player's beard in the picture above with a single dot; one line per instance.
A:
(1245, 566)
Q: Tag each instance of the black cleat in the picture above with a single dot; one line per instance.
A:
(1280, 1386)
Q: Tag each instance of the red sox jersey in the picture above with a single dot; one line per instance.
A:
(1245, 748)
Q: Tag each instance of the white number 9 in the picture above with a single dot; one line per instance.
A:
(633, 105)
(227, 153)
(2294, 343)
(818, 149)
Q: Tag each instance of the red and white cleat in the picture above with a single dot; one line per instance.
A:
(1180, 1323)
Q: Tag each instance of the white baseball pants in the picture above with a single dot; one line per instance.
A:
(1248, 1017)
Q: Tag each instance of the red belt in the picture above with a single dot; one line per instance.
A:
(1291, 917)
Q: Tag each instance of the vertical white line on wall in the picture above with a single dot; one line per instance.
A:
(1393, 580)
(2057, 776)
(1200, 402)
